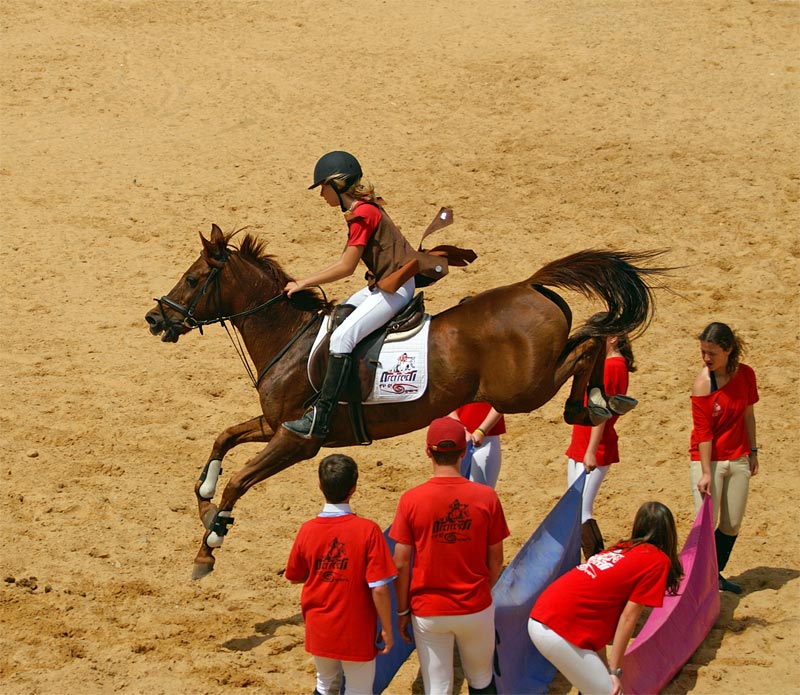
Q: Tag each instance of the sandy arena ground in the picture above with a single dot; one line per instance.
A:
(550, 127)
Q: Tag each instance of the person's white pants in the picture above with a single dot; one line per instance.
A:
(359, 675)
(488, 458)
(582, 667)
(590, 487)
(374, 308)
(434, 637)
(730, 485)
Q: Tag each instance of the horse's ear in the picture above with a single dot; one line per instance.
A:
(216, 247)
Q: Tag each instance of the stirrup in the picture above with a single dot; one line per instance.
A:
(620, 404)
(304, 427)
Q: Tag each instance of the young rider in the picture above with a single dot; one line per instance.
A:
(392, 265)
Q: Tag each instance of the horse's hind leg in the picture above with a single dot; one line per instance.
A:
(283, 450)
(254, 430)
(585, 363)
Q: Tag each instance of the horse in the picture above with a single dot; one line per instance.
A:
(509, 346)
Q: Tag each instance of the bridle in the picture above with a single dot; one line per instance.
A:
(190, 321)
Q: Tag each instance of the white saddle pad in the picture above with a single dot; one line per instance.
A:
(402, 371)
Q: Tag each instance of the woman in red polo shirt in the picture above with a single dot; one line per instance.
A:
(723, 443)
(599, 601)
(594, 449)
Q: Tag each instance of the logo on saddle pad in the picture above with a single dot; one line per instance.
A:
(402, 378)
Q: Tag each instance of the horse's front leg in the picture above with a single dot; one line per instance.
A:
(284, 450)
(255, 430)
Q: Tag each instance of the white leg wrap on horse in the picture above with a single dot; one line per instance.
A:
(209, 486)
(214, 540)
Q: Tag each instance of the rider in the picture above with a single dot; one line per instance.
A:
(392, 265)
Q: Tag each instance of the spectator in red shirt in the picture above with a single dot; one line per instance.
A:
(594, 449)
(344, 564)
(454, 530)
(723, 446)
(576, 616)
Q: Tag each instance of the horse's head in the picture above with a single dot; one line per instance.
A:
(197, 298)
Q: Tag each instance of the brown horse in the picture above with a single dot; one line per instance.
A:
(509, 346)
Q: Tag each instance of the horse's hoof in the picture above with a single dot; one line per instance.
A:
(598, 414)
(208, 515)
(201, 569)
(622, 404)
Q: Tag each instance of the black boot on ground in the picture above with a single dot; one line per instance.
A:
(724, 544)
(316, 420)
(591, 538)
(490, 689)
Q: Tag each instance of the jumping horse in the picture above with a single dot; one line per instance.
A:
(510, 346)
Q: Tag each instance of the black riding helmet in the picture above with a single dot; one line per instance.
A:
(337, 164)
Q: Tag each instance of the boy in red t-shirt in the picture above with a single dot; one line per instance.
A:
(454, 531)
(344, 564)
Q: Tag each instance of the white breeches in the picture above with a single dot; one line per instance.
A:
(487, 457)
(590, 487)
(434, 637)
(359, 675)
(582, 667)
(373, 309)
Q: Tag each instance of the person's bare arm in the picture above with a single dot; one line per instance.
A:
(382, 598)
(494, 560)
(402, 560)
(622, 635)
(342, 268)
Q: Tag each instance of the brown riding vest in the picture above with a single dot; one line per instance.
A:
(391, 260)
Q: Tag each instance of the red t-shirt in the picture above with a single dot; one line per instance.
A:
(615, 382)
(584, 605)
(450, 523)
(362, 224)
(719, 417)
(340, 555)
(472, 415)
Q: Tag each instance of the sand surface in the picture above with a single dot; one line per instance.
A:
(549, 127)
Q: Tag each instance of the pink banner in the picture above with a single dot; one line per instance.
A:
(673, 632)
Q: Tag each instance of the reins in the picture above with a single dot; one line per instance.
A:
(191, 322)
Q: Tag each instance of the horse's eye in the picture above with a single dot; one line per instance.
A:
(191, 280)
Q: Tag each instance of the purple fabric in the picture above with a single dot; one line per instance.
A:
(554, 548)
(673, 632)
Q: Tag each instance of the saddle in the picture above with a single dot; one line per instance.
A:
(365, 356)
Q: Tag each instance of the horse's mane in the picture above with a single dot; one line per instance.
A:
(251, 248)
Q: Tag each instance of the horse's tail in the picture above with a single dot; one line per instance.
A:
(612, 276)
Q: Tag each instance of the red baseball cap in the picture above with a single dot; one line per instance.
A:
(446, 434)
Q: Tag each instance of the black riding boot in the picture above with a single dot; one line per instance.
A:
(490, 689)
(591, 538)
(316, 419)
(724, 544)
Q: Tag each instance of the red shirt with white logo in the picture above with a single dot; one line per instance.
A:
(340, 556)
(450, 523)
(584, 605)
(719, 417)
